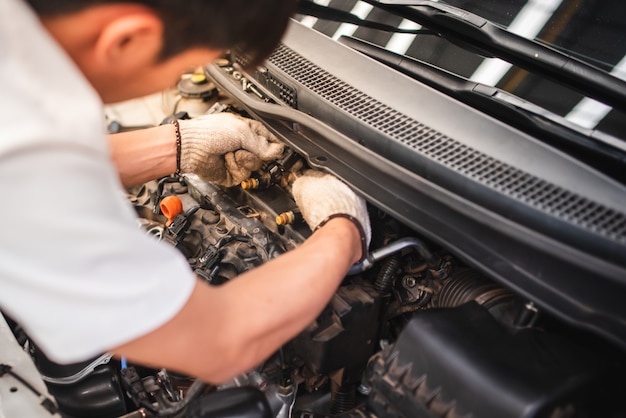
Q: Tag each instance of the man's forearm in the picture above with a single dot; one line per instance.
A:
(223, 331)
(145, 154)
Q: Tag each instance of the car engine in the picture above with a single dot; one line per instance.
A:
(413, 331)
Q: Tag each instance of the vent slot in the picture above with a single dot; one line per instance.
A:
(278, 88)
(470, 162)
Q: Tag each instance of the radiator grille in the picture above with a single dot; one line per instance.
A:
(472, 163)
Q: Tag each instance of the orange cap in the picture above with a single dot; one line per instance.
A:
(171, 207)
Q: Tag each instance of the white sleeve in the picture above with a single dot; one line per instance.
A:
(76, 270)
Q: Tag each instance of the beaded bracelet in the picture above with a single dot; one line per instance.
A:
(178, 146)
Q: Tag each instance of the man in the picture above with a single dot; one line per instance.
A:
(75, 271)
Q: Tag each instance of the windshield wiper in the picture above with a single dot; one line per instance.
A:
(603, 151)
(309, 8)
(479, 34)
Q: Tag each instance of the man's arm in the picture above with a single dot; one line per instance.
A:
(144, 155)
(222, 148)
(226, 330)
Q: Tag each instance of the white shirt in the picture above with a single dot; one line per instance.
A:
(76, 271)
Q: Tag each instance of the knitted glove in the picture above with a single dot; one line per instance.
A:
(224, 148)
(322, 197)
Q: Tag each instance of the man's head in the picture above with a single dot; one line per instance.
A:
(132, 41)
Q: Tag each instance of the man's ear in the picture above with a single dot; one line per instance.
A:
(129, 42)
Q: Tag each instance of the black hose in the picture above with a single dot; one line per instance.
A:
(466, 285)
(343, 399)
(387, 275)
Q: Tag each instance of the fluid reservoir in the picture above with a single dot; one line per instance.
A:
(195, 94)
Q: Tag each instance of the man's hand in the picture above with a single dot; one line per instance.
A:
(321, 197)
(224, 148)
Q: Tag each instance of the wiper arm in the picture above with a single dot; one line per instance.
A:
(309, 8)
(606, 153)
(476, 32)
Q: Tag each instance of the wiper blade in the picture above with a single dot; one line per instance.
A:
(603, 151)
(309, 8)
(476, 32)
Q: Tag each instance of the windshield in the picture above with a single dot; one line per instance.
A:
(593, 31)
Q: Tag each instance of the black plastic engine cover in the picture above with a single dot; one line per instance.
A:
(240, 402)
(461, 363)
(344, 334)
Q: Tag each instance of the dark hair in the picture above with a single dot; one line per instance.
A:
(253, 27)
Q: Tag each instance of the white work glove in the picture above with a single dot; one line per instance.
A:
(321, 197)
(224, 148)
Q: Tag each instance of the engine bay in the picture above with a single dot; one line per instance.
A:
(414, 331)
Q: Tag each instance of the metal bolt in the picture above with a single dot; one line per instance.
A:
(409, 281)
